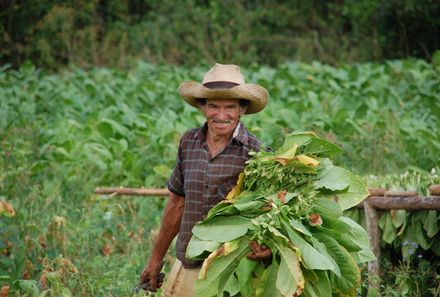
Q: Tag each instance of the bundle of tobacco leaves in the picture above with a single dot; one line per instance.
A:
(290, 200)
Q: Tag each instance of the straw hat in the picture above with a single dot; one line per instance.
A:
(224, 82)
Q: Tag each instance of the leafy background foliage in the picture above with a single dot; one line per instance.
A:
(62, 135)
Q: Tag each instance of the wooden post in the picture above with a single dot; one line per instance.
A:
(373, 237)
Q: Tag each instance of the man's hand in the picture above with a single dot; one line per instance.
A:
(150, 279)
(259, 252)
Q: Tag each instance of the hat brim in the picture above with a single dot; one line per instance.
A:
(255, 94)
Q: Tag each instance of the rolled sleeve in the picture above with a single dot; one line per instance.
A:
(175, 182)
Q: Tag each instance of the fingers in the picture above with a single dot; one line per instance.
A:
(153, 283)
(259, 252)
(255, 247)
(144, 278)
(151, 278)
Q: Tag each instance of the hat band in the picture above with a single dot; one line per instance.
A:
(220, 84)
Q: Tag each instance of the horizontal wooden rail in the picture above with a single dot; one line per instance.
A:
(382, 200)
(132, 191)
(403, 202)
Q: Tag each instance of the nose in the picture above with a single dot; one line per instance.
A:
(222, 115)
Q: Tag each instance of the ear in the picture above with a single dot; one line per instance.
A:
(202, 108)
(243, 110)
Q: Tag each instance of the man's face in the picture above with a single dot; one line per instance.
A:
(222, 115)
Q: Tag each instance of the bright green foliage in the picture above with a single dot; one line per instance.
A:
(63, 134)
(288, 199)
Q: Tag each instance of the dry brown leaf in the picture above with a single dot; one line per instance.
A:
(218, 252)
(315, 219)
(6, 209)
(281, 195)
(43, 281)
(68, 265)
(42, 241)
(107, 250)
(4, 291)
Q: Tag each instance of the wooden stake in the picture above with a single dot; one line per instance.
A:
(374, 238)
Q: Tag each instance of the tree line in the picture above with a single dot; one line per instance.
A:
(117, 33)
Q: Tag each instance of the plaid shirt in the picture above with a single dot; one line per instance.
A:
(205, 181)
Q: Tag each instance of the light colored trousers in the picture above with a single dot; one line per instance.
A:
(180, 282)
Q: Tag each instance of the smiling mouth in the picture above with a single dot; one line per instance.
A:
(222, 124)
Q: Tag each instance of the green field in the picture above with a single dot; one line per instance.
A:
(62, 135)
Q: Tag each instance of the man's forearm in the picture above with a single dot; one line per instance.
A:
(169, 227)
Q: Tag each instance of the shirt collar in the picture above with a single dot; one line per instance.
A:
(240, 133)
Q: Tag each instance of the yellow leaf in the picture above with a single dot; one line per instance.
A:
(230, 246)
(217, 253)
(286, 157)
(236, 190)
(306, 160)
(6, 209)
(59, 221)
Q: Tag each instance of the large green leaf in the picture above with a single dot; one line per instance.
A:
(197, 247)
(344, 239)
(244, 274)
(285, 281)
(222, 229)
(232, 286)
(350, 274)
(295, 138)
(417, 228)
(333, 179)
(221, 209)
(250, 206)
(309, 290)
(322, 284)
(220, 269)
(430, 223)
(360, 237)
(299, 227)
(389, 232)
(289, 276)
(349, 188)
(311, 258)
(267, 285)
(327, 207)
(321, 147)
(335, 224)
(398, 217)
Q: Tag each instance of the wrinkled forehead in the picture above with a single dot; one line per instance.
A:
(222, 102)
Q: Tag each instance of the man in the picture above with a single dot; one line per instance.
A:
(209, 161)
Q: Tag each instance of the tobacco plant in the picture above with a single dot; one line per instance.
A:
(292, 201)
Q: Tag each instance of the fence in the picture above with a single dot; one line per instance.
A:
(379, 199)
